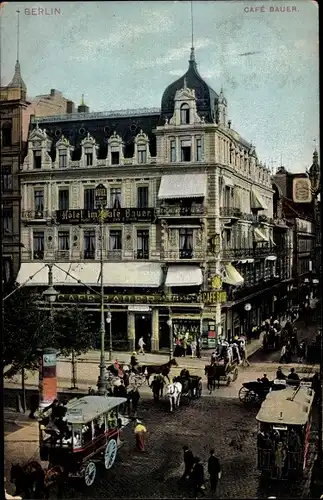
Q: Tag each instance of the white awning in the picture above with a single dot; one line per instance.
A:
(232, 276)
(182, 186)
(259, 236)
(250, 261)
(244, 261)
(227, 181)
(132, 274)
(271, 257)
(184, 276)
(87, 273)
(256, 201)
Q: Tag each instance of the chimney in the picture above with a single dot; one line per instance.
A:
(70, 107)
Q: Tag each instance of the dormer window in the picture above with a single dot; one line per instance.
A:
(115, 158)
(198, 149)
(37, 158)
(185, 150)
(185, 114)
(88, 157)
(142, 154)
(62, 158)
(173, 150)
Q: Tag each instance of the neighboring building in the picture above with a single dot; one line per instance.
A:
(16, 110)
(188, 234)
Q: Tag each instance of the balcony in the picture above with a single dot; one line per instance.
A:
(32, 215)
(230, 212)
(240, 253)
(88, 255)
(114, 255)
(178, 211)
(62, 255)
(180, 255)
(141, 254)
(38, 254)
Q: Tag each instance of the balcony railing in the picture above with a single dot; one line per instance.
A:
(177, 211)
(230, 212)
(239, 253)
(35, 214)
(141, 254)
(88, 255)
(179, 254)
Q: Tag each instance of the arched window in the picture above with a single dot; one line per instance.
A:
(6, 134)
(185, 114)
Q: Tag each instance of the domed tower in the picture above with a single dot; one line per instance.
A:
(315, 175)
(206, 98)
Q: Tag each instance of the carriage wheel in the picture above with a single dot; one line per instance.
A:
(243, 394)
(90, 473)
(235, 374)
(199, 390)
(110, 454)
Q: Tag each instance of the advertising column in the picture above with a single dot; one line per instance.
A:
(47, 378)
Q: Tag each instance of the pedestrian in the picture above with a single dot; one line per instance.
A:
(279, 374)
(184, 346)
(243, 355)
(198, 348)
(141, 344)
(282, 354)
(123, 394)
(197, 477)
(135, 396)
(140, 434)
(193, 348)
(155, 386)
(265, 380)
(293, 375)
(33, 405)
(214, 470)
(188, 462)
(126, 379)
(301, 352)
(213, 358)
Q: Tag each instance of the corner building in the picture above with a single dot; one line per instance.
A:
(188, 224)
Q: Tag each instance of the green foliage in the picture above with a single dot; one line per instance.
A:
(28, 329)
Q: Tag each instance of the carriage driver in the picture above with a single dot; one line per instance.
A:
(134, 362)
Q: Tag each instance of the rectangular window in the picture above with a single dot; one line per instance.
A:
(37, 158)
(38, 245)
(63, 199)
(62, 159)
(172, 151)
(63, 240)
(89, 244)
(142, 244)
(185, 114)
(198, 149)
(142, 155)
(6, 133)
(39, 200)
(185, 151)
(89, 199)
(227, 197)
(7, 220)
(88, 157)
(115, 197)
(115, 157)
(6, 178)
(115, 240)
(186, 243)
(142, 197)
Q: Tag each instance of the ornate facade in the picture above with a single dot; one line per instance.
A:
(188, 229)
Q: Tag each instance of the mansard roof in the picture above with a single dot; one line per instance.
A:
(206, 97)
(100, 126)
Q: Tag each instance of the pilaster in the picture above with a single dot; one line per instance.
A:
(155, 330)
(131, 331)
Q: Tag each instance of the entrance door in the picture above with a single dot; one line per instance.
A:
(143, 329)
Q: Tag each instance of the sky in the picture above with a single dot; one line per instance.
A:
(123, 55)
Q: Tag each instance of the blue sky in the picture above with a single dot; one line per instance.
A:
(124, 54)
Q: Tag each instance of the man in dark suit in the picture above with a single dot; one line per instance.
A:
(214, 470)
(197, 477)
(188, 461)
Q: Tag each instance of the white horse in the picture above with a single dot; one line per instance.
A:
(174, 392)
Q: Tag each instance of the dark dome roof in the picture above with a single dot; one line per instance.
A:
(206, 98)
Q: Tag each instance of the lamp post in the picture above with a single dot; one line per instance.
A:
(170, 324)
(247, 308)
(109, 321)
(100, 202)
(50, 293)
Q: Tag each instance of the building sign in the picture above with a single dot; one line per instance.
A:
(216, 283)
(113, 215)
(302, 192)
(101, 196)
(193, 298)
(304, 226)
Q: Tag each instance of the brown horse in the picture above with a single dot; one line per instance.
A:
(28, 479)
(164, 370)
(55, 478)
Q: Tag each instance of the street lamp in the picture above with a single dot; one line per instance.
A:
(170, 324)
(50, 293)
(247, 308)
(109, 319)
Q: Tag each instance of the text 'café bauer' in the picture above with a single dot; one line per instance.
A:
(187, 223)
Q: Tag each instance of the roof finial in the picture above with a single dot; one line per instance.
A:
(185, 83)
(281, 159)
(314, 140)
(18, 12)
(192, 57)
(82, 100)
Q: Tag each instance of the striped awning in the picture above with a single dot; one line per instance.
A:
(182, 186)
(232, 276)
(63, 274)
(256, 202)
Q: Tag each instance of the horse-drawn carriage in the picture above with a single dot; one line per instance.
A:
(256, 391)
(225, 366)
(84, 432)
(191, 384)
(284, 433)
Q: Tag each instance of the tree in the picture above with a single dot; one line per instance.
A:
(28, 329)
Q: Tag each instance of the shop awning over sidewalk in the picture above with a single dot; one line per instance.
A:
(182, 186)
(232, 276)
(259, 236)
(133, 274)
(87, 273)
(184, 276)
(256, 201)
